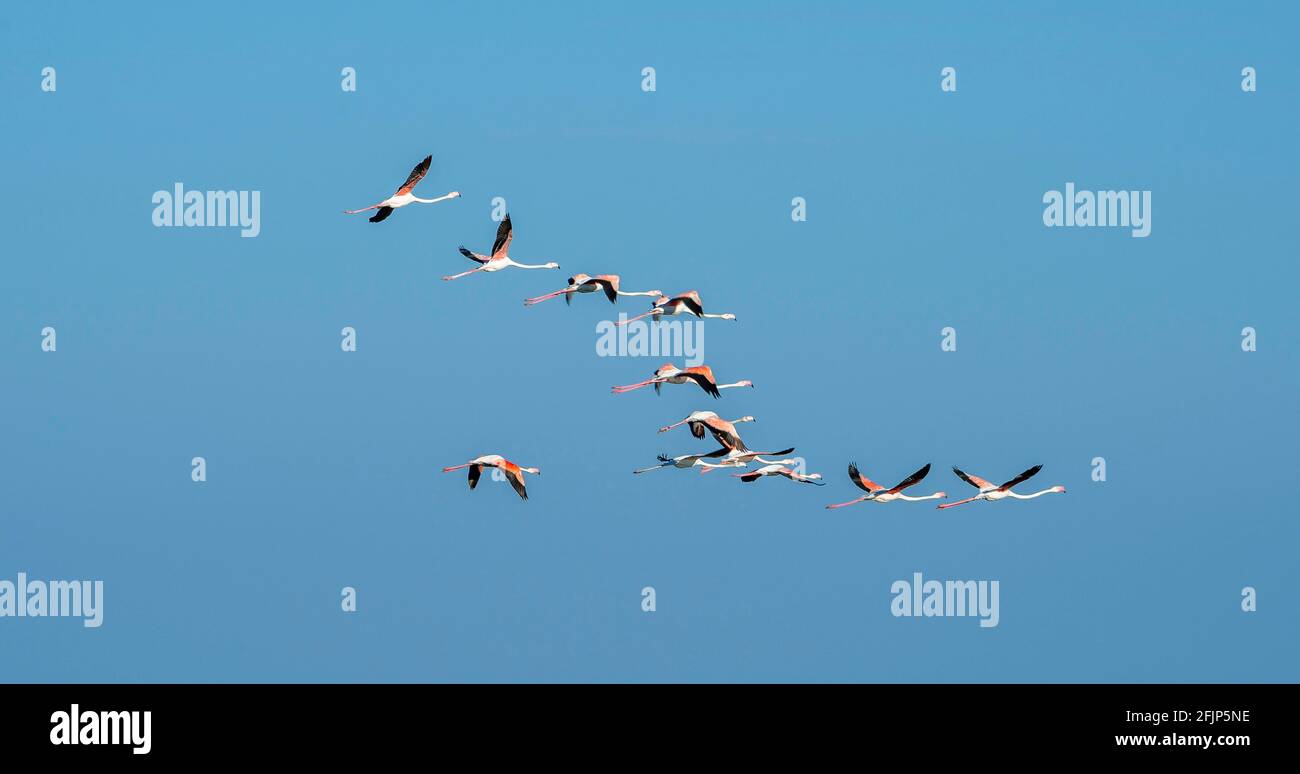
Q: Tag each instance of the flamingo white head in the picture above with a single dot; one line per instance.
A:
(454, 195)
(745, 419)
(1058, 489)
(534, 471)
(551, 265)
(728, 316)
(745, 383)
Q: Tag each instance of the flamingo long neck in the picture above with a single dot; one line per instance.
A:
(639, 293)
(431, 201)
(935, 496)
(1029, 496)
(733, 384)
(518, 265)
(717, 316)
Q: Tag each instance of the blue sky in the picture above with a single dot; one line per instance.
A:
(924, 211)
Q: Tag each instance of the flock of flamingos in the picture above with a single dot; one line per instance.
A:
(732, 452)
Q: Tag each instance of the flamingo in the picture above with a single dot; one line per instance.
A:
(775, 469)
(514, 473)
(990, 492)
(500, 258)
(404, 196)
(683, 460)
(671, 374)
(724, 432)
(877, 493)
(584, 283)
(686, 303)
(739, 458)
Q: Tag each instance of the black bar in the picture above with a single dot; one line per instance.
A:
(216, 723)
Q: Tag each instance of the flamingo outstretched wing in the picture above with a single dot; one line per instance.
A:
(911, 480)
(862, 482)
(974, 481)
(416, 176)
(505, 232)
(1022, 477)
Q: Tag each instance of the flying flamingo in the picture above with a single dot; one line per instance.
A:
(584, 283)
(500, 258)
(878, 494)
(990, 492)
(687, 303)
(671, 374)
(724, 432)
(775, 469)
(404, 196)
(683, 460)
(514, 473)
(740, 458)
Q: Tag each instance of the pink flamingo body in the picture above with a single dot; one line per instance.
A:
(500, 258)
(776, 469)
(686, 303)
(404, 195)
(513, 473)
(671, 374)
(724, 432)
(989, 491)
(879, 494)
(584, 283)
